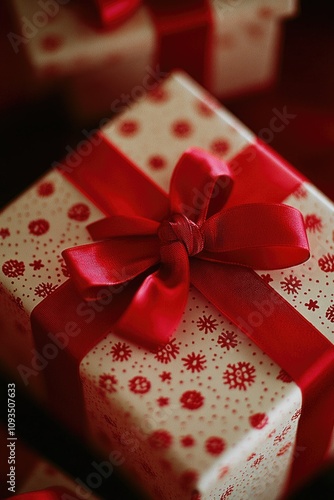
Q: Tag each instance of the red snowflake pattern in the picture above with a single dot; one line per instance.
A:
(223, 471)
(280, 437)
(284, 449)
(107, 383)
(267, 278)
(300, 193)
(139, 385)
(160, 439)
(227, 493)
(79, 212)
(163, 401)
(258, 420)
(168, 352)
(205, 108)
(312, 305)
(4, 232)
(326, 263)
(165, 376)
(291, 284)
(18, 301)
(296, 415)
(257, 461)
(330, 314)
(121, 352)
(13, 268)
(207, 324)
(239, 375)
(128, 127)
(44, 289)
(45, 189)
(192, 400)
(194, 362)
(187, 441)
(313, 223)
(159, 94)
(64, 268)
(181, 128)
(220, 147)
(215, 445)
(285, 377)
(38, 227)
(228, 340)
(36, 265)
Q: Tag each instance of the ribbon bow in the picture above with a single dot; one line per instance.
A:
(198, 225)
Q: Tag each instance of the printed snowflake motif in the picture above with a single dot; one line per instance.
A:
(291, 284)
(257, 461)
(284, 449)
(165, 376)
(194, 362)
(207, 324)
(63, 267)
(280, 437)
(38, 227)
(120, 352)
(239, 375)
(13, 268)
(4, 232)
(312, 305)
(284, 377)
(163, 401)
(160, 439)
(330, 314)
(44, 289)
(326, 263)
(214, 445)
(79, 212)
(296, 415)
(267, 278)
(19, 303)
(107, 383)
(168, 352)
(313, 223)
(139, 385)
(228, 340)
(192, 400)
(300, 193)
(258, 420)
(36, 265)
(227, 493)
(187, 441)
(45, 188)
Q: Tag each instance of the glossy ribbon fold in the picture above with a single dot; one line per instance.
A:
(256, 235)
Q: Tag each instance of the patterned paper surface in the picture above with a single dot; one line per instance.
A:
(209, 412)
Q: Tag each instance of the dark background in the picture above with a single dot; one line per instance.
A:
(36, 127)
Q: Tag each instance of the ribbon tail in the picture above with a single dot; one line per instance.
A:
(289, 340)
(98, 267)
(157, 307)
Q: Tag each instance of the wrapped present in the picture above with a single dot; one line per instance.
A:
(108, 53)
(189, 335)
(26, 475)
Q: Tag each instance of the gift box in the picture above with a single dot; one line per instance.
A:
(209, 392)
(102, 60)
(26, 474)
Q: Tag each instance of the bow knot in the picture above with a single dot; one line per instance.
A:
(180, 228)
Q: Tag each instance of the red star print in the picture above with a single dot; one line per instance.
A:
(165, 376)
(312, 305)
(4, 232)
(163, 401)
(36, 265)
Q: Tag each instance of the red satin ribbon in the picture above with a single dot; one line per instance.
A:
(183, 32)
(123, 190)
